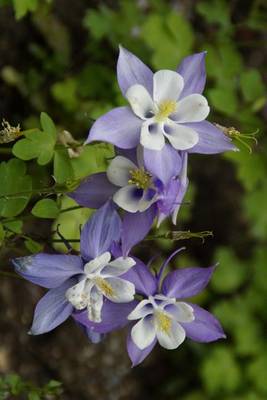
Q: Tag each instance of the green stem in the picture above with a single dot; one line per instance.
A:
(52, 190)
(70, 209)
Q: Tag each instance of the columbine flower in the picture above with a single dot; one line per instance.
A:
(161, 315)
(76, 282)
(167, 105)
(136, 180)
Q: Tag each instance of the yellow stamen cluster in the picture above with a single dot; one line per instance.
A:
(165, 109)
(164, 322)
(105, 287)
(140, 178)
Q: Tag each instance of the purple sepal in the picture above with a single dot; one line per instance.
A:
(136, 355)
(93, 191)
(100, 231)
(211, 139)
(192, 69)
(135, 226)
(119, 126)
(205, 328)
(131, 71)
(48, 270)
(186, 282)
(52, 309)
(164, 164)
(114, 316)
(144, 281)
(94, 337)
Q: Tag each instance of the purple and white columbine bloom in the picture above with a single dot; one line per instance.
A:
(137, 179)
(165, 105)
(162, 315)
(80, 282)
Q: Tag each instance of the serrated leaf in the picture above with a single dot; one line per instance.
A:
(46, 208)
(14, 180)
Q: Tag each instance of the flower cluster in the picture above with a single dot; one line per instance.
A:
(105, 288)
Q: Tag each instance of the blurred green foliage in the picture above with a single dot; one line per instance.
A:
(74, 80)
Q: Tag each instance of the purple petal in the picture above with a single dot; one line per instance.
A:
(100, 231)
(145, 283)
(211, 139)
(136, 355)
(205, 327)
(131, 70)
(48, 270)
(93, 191)
(186, 282)
(94, 337)
(164, 164)
(127, 153)
(193, 71)
(119, 127)
(135, 226)
(170, 197)
(52, 309)
(114, 316)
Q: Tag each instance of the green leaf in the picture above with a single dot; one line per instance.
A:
(63, 169)
(70, 223)
(38, 144)
(220, 371)
(46, 208)
(257, 372)
(14, 226)
(252, 85)
(14, 180)
(217, 11)
(230, 273)
(22, 7)
(33, 246)
(48, 126)
(224, 99)
(169, 36)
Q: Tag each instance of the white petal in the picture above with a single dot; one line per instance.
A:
(142, 309)
(167, 85)
(94, 306)
(147, 200)
(173, 338)
(152, 135)
(128, 198)
(140, 101)
(182, 312)
(122, 291)
(143, 333)
(180, 136)
(118, 171)
(193, 108)
(77, 295)
(98, 263)
(118, 266)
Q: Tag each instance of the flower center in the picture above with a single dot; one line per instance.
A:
(164, 322)
(140, 178)
(104, 286)
(165, 109)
